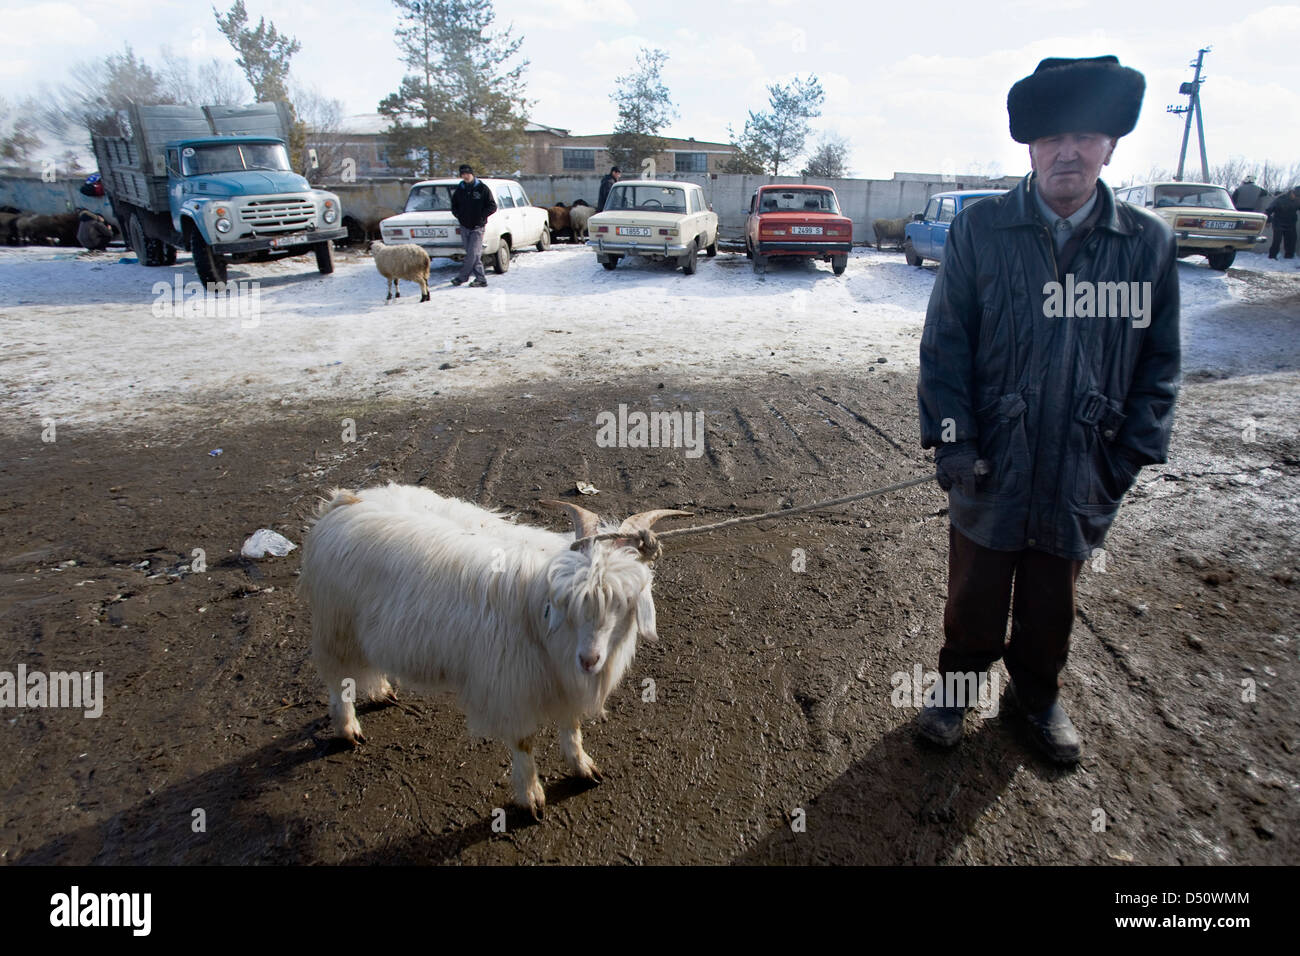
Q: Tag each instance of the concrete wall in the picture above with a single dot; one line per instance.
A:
(862, 200)
(32, 194)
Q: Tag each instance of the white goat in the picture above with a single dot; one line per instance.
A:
(407, 261)
(439, 594)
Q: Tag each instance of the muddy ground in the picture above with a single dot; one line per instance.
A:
(772, 687)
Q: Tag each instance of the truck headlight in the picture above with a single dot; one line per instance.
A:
(223, 225)
(331, 211)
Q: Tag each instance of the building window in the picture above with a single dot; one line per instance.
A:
(579, 159)
(692, 162)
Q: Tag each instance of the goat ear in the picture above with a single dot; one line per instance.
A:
(585, 523)
(645, 615)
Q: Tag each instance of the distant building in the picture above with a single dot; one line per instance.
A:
(547, 150)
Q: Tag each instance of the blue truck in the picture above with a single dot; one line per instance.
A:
(926, 235)
(214, 181)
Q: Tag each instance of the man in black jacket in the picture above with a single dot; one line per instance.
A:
(1282, 213)
(1049, 369)
(472, 204)
(606, 184)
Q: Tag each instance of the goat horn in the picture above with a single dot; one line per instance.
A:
(646, 519)
(585, 523)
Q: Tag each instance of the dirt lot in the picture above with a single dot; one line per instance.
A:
(772, 698)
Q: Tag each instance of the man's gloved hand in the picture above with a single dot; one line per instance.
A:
(959, 464)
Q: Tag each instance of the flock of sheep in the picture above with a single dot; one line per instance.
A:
(18, 227)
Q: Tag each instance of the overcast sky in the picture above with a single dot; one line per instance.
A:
(915, 86)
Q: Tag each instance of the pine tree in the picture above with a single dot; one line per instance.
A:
(464, 101)
(775, 137)
(644, 109)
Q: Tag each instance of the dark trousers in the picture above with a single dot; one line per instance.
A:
(472, 267)
(1283, 237)
(980, 594)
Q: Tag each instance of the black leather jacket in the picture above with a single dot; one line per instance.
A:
(1065, 408)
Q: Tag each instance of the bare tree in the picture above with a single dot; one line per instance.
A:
(323, 119)
(18, 139)
(210, 83)
(829, 159)
(96, 90)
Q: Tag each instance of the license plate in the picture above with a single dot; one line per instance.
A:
(280, 243)
(429, 233)
(805, 230)
(634, 230)
(1220, 224)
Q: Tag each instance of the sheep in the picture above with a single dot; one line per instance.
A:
(407, 261)
(579, 213)
(406, 585)
(890, 230)
(558, 216)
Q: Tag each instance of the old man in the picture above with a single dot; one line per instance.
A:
(1041, 412)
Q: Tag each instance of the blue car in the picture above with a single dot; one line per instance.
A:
(927, 234)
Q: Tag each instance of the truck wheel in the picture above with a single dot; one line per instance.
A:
(501, 262)
(169, 256)
(712, 249)
(210, 266)
(839, 264)
(324, 257)
(690, 261)
(1222, 260)
(909, 253)
(150, 252)
(544, 242)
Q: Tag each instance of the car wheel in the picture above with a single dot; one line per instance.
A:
(760, 264)
(712, 249)
(690, 261)
(749, 252)
(1222, 260)
(544, 242)
(909, 253)
(839, 264)
(501, 263)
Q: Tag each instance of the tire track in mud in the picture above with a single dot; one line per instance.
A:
(491, 472)
(747, 430)
(799, 440)
(863, 419)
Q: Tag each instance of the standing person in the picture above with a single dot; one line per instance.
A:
(1247, 197)
(1282, 214)
(606, 184)
(1041, 419)
(472, 204)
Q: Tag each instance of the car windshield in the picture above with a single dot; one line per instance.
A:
(429, 199)
(647, 198)
(798, 200)
(233, 158)
(1194, 194)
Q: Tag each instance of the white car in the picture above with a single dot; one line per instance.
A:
(659, 219)
(428, 222)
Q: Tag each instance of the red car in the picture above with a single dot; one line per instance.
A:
(800, 221)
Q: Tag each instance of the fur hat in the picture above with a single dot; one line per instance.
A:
(1088, 95)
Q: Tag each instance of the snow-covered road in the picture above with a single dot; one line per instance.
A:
(87, 339)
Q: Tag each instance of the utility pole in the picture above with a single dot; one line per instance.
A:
(1192, 91)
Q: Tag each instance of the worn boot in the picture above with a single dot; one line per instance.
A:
(939, 721)
(1051, 729)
